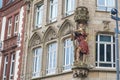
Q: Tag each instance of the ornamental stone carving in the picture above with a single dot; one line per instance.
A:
(35, 40)
(106, 25)
(51, 35)
(81, 15)
(81, 72)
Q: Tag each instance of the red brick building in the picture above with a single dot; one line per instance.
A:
(12, 18)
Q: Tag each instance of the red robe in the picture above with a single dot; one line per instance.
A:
(83, 43)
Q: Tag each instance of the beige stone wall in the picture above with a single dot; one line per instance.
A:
(95, 25)
(93, 75)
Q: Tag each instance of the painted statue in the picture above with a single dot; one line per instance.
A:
(82, 46)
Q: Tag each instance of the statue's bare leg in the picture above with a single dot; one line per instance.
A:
(78, 54)
(84, 58)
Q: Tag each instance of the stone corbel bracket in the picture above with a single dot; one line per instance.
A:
(80, 72)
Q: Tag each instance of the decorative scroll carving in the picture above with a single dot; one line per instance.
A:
(35, 42)
(81, 15)
(106, 25)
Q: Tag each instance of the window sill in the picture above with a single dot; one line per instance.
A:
(36, 29)
(33, 78)
(53, 75)
(103, 69)
(103, 11)
(49, 23)
(66, 71)
(66, 16)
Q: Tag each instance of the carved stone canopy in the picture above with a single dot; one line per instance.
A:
(81, 15)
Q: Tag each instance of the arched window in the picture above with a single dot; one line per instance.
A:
(68, 54)
(37, 61)
(52, 58)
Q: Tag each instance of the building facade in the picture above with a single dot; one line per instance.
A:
(49, 50)
(12, 16)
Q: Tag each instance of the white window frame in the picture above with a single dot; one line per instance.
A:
(69, 9)
(112, 43)
(39, 18)
(68, 54)
(105, 6)
(53, 10)
(52, 58)
(37, 61)
(12, 67)
(5, 67)
(9, 27)
(16, 24)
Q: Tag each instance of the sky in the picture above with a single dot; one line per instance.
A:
(0, 3)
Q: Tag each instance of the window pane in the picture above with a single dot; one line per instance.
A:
(102, 52)
(72, 52)
(96, 52)
(5, 67)
(37, 62)
(114, 53)
(105, 65)
(12, 70)
(67, 56)
(39, 15)
(105, 38)
(70, 6)
(9, 26)
(53, 10)
(101, 2)
(110, 3)
(16, 24)
(68, 53)
(52, 58)
(108, 52)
